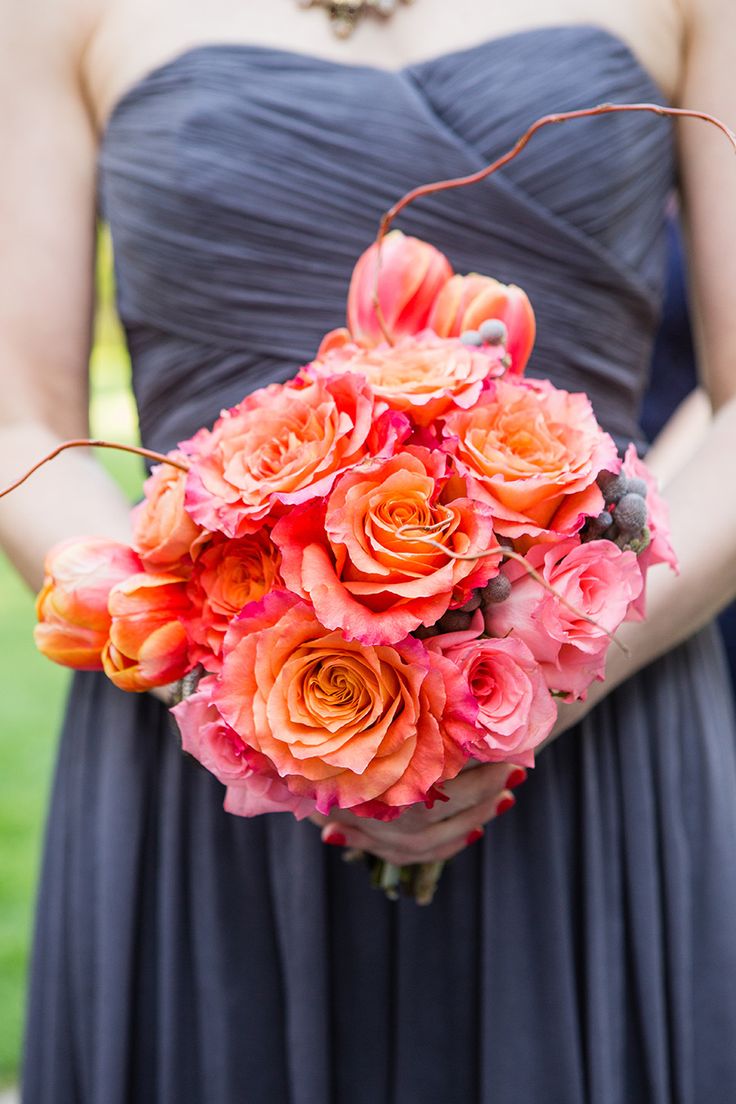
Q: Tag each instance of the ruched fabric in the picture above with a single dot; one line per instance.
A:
(584, 952)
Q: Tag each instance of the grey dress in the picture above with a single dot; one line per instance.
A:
(585, 950)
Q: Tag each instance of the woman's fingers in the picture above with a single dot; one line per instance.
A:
(432, 843)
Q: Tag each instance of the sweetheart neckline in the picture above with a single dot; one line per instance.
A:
(129, 93)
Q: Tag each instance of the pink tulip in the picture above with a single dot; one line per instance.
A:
(72, 606)
(411, 276)
(149, 643)
(465, 302)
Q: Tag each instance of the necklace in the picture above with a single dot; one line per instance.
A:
(344, 15)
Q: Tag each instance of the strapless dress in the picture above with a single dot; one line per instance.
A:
(584, 952)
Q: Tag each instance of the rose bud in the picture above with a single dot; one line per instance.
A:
(411, 276)
(72, 606)
(149, 644)
(470, 302)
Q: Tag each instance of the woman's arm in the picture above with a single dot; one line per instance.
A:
(699, 476)
(47, 242)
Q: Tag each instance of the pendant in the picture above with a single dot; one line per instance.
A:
(344, 15)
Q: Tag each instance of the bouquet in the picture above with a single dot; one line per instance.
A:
(381, 571)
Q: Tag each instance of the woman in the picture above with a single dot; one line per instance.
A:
(584, 950)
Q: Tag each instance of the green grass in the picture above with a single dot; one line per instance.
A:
(31, 695)
(32, 692)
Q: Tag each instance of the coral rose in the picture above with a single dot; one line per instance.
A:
(659, 549)
(252, 786)
(422, 376)
(372, 729)
(516, 711)
(534, 452)
(148, 644)
(72, 605)
(597, 579)
(411, 275)
(228, 575)
(163, 532)
(283, 445)
(382, 555)
(465, 302)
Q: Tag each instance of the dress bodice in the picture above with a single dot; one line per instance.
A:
(242, 182)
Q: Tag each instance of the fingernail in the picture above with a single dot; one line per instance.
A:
(474, 836)
(517, 776)
(505, 804)
(337, 839)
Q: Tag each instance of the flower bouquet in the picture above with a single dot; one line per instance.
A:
(381, 571)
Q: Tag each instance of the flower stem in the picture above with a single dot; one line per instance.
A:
(86, 442)
(546, 120)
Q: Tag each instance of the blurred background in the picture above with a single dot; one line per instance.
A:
(32, 689)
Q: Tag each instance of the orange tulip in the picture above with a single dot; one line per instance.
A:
(465, 302)
(72, 606)
(149, 643)
(411, 276)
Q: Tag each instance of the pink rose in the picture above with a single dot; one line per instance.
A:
(283, 445)
(380, 557)
(369, 729)
(533, 452)
(207, 737)
(597, 579)
(516, 711)
(660, 548)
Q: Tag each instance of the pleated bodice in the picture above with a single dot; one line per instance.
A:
(242, 182)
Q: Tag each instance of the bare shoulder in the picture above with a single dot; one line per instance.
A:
(708, 177)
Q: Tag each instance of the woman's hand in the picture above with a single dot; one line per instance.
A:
(424, 835)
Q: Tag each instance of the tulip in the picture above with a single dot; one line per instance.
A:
(72, 606)
(149, 643)
(411, 276)
(465, 302)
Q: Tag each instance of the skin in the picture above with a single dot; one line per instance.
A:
(65, 63)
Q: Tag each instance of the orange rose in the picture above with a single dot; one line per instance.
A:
(395, 544)
(163, 532)
(465, 302)
(72, 606)
(229, 575)
(282, 445)
(412, 273)
(422, 376)
(361, 728)
(533, 453)
(148, 643)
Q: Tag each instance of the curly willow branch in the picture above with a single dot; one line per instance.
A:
(404, 530)
(481, 174)
(84, 442)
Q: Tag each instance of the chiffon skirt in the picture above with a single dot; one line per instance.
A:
(583, 951)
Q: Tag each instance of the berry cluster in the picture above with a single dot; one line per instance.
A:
(624, 520)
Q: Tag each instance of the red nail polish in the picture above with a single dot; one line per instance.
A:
(474, 836)
(515, 779)
(504, 805)
(337, 839)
